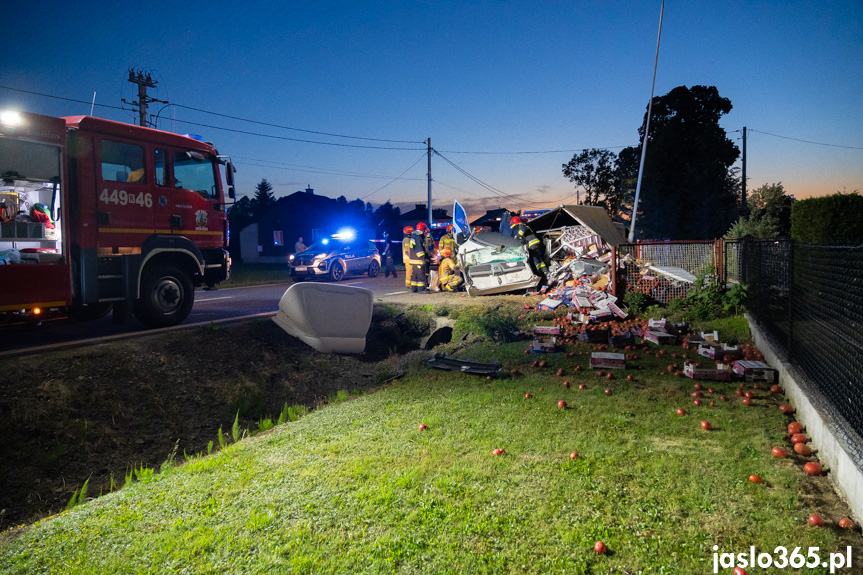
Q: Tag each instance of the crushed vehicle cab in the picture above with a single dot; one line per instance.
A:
(334, 257)
(494, 263)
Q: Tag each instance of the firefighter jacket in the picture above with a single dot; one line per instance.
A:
(525, 234)
(406, 246)
(448, 267)
(446, 241)
(417, 254)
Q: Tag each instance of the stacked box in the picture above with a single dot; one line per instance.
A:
(607, 360)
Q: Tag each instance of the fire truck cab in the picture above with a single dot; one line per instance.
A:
(97, 213)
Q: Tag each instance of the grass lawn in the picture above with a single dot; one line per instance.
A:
(357, 487)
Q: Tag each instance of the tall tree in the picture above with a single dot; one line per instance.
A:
(240, 214)
(605, 178)
(688, 186)
(263, 199)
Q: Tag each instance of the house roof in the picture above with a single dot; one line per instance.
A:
(594, 217)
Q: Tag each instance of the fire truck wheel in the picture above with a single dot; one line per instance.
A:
(87, 312)
(167, 296)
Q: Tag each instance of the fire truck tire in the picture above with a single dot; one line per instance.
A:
(167, 296)
(87, 312)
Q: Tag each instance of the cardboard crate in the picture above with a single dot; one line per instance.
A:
(659, 337)
(718, 351)
(621, 340)
(594, 336)
(607, 360)
(544, 344)
(752, 370)
(692, 371)
(546, 330)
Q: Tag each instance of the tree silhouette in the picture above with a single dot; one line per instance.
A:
(688, 188)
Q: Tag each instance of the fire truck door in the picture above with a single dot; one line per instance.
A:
(195, 196)
(163, 200)
(125, 198)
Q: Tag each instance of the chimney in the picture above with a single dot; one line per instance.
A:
(309, 189)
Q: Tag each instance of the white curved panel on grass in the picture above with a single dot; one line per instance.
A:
(330, 318)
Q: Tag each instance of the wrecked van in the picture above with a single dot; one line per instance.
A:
(577, 239)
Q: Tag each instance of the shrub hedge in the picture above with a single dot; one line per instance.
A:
(829, 220)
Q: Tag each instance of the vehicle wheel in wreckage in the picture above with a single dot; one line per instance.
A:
(167, 296)
(374, 269)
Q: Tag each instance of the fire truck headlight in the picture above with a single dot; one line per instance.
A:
(10, 118)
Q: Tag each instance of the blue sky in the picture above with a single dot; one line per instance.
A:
(512, 78)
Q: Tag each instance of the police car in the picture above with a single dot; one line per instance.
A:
(334, 257)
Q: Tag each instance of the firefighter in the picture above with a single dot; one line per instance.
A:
(406, 254)
(419, 259)
(533, 244)
(447, 241)
(433, 258)
(450, 276)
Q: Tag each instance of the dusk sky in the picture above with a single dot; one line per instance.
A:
(342, 95)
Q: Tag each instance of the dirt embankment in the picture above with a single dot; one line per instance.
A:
(99, 411)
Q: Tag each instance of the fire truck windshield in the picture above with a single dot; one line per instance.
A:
(195, 172)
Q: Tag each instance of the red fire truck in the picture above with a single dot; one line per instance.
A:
(96, 213)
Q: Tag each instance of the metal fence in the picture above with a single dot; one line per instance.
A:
(809, 300)
(664, 270)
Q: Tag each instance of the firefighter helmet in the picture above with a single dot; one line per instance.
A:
(514, 221)
(446, 252)
(408, 230)
(421, 227)
(449, 228)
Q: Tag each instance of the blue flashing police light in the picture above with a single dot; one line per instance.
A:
(195, 137)
(325, 241)
(346, 234)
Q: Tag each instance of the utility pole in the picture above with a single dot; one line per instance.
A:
(646, 130)
(743, 175)
(429, 177)
(143, 81)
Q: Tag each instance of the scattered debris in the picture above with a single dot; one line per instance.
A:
(441, 361)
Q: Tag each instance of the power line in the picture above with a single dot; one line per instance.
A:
(241, 131)
(296, 129)
(609, 148)
(477, 180)
(259, 163)
(285, 138)
(806, 141)
(396, 178)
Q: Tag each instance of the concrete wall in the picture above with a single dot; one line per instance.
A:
(835, 449)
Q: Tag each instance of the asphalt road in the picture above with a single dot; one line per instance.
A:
(215, 306)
